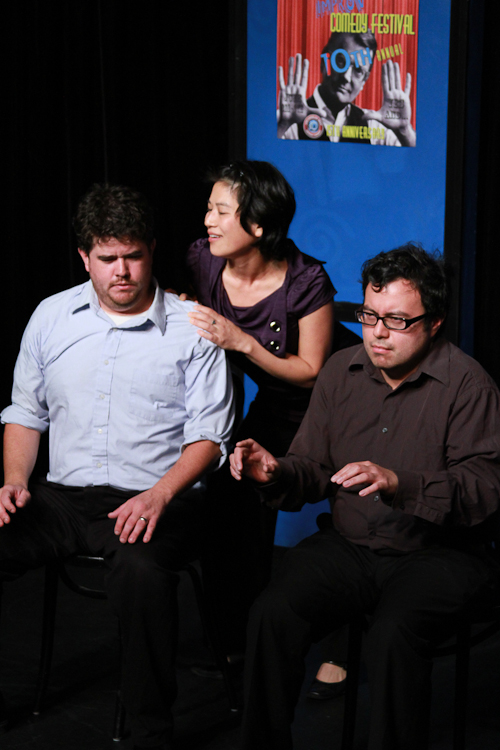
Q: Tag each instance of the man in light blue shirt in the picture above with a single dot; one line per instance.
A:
(139, 408)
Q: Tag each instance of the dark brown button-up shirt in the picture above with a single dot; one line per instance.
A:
(439, 431)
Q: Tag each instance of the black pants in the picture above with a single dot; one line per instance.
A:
(412, 600)
(239, 537)
(141, 583)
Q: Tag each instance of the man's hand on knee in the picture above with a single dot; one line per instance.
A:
(12, 496)
(138, 516)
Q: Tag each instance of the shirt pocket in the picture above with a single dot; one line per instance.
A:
(153, 396)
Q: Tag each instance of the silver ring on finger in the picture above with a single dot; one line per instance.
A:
(141, 518)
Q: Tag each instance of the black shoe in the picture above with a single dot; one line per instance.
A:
(236, 662)
(207, 670)
(324, 691)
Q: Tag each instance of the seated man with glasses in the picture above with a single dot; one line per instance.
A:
(403, 433)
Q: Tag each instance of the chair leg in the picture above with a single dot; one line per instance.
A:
(351, 692)
(461, 684)
(212, 637)
(119, 719)
(120, 711)
(49, 614)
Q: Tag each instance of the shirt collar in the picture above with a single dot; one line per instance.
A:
(87, 298)
(436, 364)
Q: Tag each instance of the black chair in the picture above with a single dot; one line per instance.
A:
(486, 616)
(59, 569)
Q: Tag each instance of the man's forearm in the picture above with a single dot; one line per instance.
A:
(195, 461)
(20, 449)
(140, 514)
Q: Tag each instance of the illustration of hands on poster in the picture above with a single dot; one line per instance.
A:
(347, 71)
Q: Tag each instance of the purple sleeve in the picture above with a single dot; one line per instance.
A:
(198, 259)
(311, 290)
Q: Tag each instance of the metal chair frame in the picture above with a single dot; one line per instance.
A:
(465, 640)
(58, 569)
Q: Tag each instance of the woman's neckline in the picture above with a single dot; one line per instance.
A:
(259, 301)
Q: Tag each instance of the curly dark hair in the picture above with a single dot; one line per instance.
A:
(425, 271)
(113, 211)
(264, 198)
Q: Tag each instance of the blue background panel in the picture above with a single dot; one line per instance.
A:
(354, 200)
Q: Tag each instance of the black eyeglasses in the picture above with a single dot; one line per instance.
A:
(392, 322)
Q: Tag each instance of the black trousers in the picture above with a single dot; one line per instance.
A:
(239, 538)
(141, 583)
(411, 601)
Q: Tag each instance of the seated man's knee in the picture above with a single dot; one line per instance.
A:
(272, 606)
(137, 572)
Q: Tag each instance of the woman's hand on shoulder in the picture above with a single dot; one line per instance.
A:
(220, 330)
(183, 296)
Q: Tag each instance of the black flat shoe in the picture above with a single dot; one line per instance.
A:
(236, 663)
(325, 691)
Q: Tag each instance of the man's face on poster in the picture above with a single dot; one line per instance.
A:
(344, 87)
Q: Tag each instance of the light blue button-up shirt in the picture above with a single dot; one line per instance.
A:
(121, 400)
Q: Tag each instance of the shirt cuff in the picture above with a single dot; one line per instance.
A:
(410, 498)
(223, 446)
(15, 414)
(275, 493)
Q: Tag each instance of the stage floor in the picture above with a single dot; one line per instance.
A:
(80, 700)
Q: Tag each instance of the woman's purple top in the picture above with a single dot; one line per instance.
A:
(273, 322)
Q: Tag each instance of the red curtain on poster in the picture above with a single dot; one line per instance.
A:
(304, 26)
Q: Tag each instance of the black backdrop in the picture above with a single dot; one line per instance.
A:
(121, 90)
(142, 92)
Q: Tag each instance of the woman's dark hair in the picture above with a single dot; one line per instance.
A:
(264, 198)
(426, 272)
(113, 211)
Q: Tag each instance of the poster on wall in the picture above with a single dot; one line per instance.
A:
(347, 71)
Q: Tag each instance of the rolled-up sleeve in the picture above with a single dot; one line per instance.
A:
(209, 398)
(29, 405)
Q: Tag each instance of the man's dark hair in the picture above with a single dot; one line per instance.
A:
(264, 198)
(425, 271)
(363, 39)
(113, 211)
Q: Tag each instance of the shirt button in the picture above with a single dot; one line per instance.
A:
(377, 497)
(384, 429)
(274, 345)
(99, 465)
(275, 326)
(99, 430)
(101, 396)
(402, 506)
(106, 361)
(114, 329)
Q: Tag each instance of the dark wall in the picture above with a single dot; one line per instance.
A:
(487, 297)
(137, 92)
(119, 90)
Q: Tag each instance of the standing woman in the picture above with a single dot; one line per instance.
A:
(271, 308)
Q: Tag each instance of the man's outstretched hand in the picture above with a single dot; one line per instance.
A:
(292, 105)
(395, 112)
(252, 460)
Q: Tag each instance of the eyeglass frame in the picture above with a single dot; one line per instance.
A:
(407, 321)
